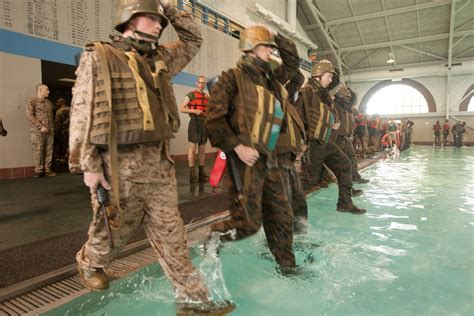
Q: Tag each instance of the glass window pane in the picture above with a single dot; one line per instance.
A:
(397, 99)
(470, 107)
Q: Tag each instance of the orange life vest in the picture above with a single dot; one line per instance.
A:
(198, 100)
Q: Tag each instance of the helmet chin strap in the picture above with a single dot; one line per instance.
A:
(148, 36)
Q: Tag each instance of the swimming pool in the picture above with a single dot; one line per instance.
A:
(411, 254)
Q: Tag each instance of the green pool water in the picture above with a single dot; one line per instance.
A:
(411, 254)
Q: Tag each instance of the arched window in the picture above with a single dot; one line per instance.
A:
(470, 107)
(468, 100)
(404, 97)
(397, 99)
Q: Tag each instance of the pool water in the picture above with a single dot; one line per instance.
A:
(411, 254)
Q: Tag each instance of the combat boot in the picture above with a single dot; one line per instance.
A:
(359, 179)
(205, 309)
(350, 208)
(356, 192)
(202, 176)
(192, 175)
(94, 279)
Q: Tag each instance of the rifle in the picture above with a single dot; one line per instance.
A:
(104, 204)
(237, 180)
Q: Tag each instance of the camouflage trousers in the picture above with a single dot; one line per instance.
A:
(155, 206)
(296, 194)
(42, 151)
(333, 157)
(267, 204)
(344, 143)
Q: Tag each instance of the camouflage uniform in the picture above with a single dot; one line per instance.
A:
(40, 114)
(147, 181)
(267, 197)
(321, 152)
(61, 126)
(344, 132)
(287, 160)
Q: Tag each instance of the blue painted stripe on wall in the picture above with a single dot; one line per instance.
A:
(29, 46)
(185, 79)
(34, 47)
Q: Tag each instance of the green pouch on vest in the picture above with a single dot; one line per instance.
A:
(329, 129)
(276, 126)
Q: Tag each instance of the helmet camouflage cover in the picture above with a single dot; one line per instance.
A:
(320, 68)
(128, 9)
(256, 35)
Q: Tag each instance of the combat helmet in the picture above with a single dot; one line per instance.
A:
(320, 68)
(130, 8)
(256, 35)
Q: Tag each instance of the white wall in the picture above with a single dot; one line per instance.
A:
(239, 12)
(18, 78)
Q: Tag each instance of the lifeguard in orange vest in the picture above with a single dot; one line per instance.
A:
(195, 104)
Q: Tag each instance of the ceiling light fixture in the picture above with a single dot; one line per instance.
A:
(391, 58)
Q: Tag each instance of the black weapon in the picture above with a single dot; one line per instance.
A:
(104, 203)
(236, 180)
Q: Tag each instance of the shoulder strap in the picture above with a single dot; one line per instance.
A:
(112, 146)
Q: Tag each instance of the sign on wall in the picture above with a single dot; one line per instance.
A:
(73, 22)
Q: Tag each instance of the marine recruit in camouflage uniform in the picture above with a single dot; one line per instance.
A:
(320, 119)
(39, 111)
(145, 116)
(239, 120)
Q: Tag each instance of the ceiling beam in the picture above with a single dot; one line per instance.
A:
(463, 52)
(462, 7)
(359, 31)
(317, 16)
(365, 58)
(405, 9)
(423, 52)
(450, 56)
(406, 41)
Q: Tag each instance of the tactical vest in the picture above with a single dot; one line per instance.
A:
(260, 114)
(346, 119)
(320, 116)
(285, 142)
(137, 104)
(198, 101)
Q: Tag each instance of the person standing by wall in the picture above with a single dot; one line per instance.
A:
(409, 132)
(39, 112)
(446, 129)
(437, 133)
(360, 131)
(458, 131)
(129, 146)
(195, 104)
(61, 132)
(392, 132)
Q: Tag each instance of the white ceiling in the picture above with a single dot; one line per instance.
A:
(363, 32)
